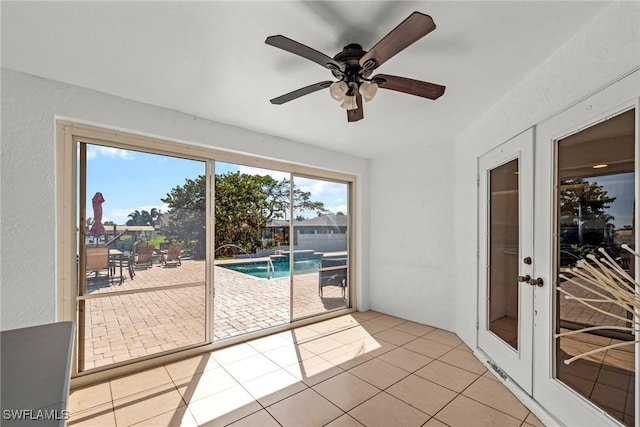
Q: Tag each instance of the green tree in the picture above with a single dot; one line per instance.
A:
(243, 206)
(143, 217)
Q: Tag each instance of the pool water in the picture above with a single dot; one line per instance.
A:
(281, 269)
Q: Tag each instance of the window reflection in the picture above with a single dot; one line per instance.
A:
(596, 204)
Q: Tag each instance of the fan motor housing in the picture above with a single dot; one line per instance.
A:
(350, 57)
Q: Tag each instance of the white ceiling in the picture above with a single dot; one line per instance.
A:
(209, 59)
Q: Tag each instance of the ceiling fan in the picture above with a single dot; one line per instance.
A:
(353, 67)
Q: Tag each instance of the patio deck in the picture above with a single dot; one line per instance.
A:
(124, 327)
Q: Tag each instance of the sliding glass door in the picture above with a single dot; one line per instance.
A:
(142, 254)
(319, 256)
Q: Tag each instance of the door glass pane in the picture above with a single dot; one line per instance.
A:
(319, 247)
(596, 209)
(251, 229)
(144, 255)
(504, 243)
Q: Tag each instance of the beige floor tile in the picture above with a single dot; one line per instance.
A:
(295, 410)
(141, 406)
(347, 356)
(374, 347)
(490, 375)
(443, 337)
(345, 420)
(288, 355)
(180, 417)
(224, 407)
(251, 367)
(313, 370)
(379, 373)
(84, 398)
(365, 315)
(321, 345)
(413, 328)
(205, 384)
(428, 348)
(465, 360)
(433, 422)
(304, 334)
(405, 359)
(270, 342)
(620, 359)
(257, 419)
(190, 367)
(395, 337)
(373, 327)
(533, 420)
(350, 335)
(385, 410)
(422, 394)
(446, 375)
(388, 320)
(496, 395)
(464, 347)
(140, 382)
(463, 411)
(234, 353)
(346, 391)
(98, 416)
(273, 387)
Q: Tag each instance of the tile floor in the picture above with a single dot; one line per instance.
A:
(362, 369)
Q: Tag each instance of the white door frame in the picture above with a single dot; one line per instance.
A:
(514, 363)
(564, 403)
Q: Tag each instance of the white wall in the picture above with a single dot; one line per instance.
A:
(604, 50)
(412, 251)
(28, 180)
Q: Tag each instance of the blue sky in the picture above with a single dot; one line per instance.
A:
(132, 180)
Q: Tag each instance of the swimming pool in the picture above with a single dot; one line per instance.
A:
(280, 269)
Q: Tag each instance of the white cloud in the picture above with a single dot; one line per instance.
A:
(121, 216)
(277, 175)
(94, 151)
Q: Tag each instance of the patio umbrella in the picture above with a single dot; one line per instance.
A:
(97, 229)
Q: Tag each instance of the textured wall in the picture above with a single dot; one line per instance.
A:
(27, 198)
(412, 236)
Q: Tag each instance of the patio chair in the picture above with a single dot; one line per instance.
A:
(97, 259)
(144, 255)
(172, 256)
(337, 277)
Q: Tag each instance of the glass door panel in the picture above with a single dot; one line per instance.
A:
(505, 288)
(141, 259)
(504, 243)
(251, 231)
(596, 204)
(319, 255)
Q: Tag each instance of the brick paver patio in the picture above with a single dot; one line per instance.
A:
(123, 327)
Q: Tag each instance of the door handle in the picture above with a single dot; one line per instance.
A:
(537, 282)
(526, 279)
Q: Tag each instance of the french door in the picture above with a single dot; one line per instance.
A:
(547, 198)
(506, 270)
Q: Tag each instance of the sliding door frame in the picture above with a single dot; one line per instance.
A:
(68, 133)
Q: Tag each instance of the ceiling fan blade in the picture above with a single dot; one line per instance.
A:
(299, 49)
(300, 92)
(410, 86)
(358, 113)
(416, 26)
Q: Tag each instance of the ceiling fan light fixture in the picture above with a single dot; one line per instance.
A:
(338, 90)
(349, 103)
(368, 90)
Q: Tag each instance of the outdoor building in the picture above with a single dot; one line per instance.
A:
(430, 257)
